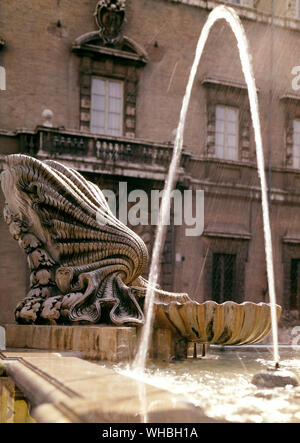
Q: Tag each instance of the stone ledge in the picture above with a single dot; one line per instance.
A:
(66, 389)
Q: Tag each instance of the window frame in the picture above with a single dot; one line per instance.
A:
(237, 134)
(220, 244)
(107, 80)
(234, 2)
(297, 9)
(220, 279)
(290, 251)
(294, 301)
(294, 165)
(109, 68)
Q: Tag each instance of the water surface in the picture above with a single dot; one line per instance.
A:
(222, 385)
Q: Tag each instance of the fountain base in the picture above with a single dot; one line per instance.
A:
(99, 342)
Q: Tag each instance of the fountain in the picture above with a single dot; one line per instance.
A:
(86, 266)
(228, 14)
(231, 17)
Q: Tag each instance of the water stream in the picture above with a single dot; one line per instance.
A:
(219, 13)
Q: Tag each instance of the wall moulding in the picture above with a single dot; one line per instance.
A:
(248, 11)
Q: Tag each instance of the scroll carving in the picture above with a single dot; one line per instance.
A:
(85, 265)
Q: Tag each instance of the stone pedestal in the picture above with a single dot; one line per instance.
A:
(107, 343)
(166, 346)
(95, 342)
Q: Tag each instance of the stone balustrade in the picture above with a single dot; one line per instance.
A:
(57, 143)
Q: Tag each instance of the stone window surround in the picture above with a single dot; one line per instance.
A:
(227, 93)
(121, 62)
(109, 69)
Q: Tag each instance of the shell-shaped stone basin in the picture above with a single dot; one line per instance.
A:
(228, 323)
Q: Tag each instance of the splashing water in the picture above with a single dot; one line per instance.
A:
(228, 14)
(222, 386)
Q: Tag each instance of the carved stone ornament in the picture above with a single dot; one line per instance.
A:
(85, 265)
(223, 324)
(109, 16)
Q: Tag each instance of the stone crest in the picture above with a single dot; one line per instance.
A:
(109, 16)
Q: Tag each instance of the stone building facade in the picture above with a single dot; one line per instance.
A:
(116, 94)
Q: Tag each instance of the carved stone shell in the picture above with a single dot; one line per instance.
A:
(221, 324)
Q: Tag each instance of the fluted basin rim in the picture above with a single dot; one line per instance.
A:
(228, 323)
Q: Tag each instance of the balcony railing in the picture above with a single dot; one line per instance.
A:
(110, 151)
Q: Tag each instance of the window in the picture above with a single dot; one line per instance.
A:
(298, 9)
(225, 262)
(229, 126)
(247, 3)
(294, 304)
(296, 144)
(226, 132)
(106, 106)
(223, 277)
(105, 72)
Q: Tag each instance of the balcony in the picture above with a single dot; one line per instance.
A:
(102, 154)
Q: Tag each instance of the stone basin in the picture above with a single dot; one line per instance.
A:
(228, 323)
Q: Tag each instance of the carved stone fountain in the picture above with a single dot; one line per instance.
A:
(85, 265)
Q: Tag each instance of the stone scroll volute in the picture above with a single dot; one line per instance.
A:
(85, 265)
